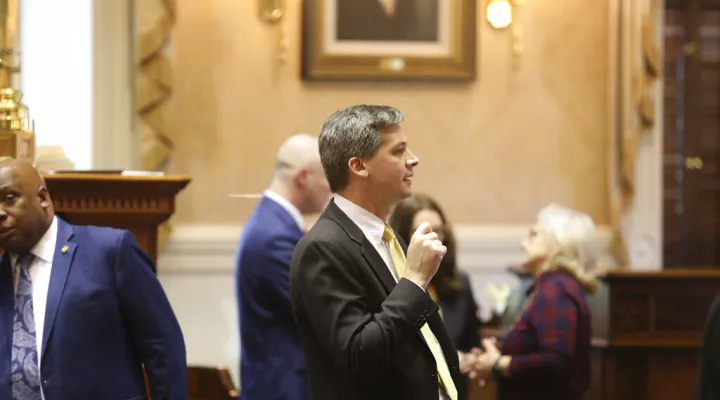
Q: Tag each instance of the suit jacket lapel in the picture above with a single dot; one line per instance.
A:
(7, 313)
(378, 265)
(382, 272)
(62, 261)
(371, 256)
(437, 326)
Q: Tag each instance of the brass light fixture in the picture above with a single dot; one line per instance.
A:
(17, 133)
(271, 10)
(499, 13)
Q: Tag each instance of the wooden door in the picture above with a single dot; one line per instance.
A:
(691, 220)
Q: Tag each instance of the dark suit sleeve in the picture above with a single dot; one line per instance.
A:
(707, 386)
(150, 321)
(360, 339)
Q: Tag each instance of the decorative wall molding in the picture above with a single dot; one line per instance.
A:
(114, 139)
(481, 248)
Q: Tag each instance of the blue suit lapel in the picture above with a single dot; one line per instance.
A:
(62, 261)
(7, 313)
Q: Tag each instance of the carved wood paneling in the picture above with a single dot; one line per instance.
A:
(139, 204)
(680, 313)
(101, 203)
(630, 313)
(664, 309)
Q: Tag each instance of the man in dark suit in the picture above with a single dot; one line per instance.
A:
(81, 311)
(368, 327)
(272, 361)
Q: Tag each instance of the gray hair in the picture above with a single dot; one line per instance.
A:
(573, 234)
(352, 132)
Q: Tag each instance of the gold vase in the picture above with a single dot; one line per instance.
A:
(17, 133)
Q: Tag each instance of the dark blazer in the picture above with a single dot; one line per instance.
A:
(708, 377)
(107, 316)
(360, 330)
(460, 315)
(272, 366)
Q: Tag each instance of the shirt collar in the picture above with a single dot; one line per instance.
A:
(542, 279)
(288, 206)
(44, 249)
(372, 226)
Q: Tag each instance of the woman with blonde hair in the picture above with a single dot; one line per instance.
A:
(546, 355)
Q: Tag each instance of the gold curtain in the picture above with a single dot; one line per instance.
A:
(154, 21)
(634, 68)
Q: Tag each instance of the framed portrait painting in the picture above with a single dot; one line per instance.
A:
(388, 40)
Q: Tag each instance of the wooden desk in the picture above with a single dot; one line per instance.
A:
(655, 330)
(137, 203)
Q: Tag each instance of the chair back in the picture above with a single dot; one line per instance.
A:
(211, 383)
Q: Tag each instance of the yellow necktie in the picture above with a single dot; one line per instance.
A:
(398, 259)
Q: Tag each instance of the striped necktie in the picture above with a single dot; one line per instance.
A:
(398, 259)
(24, 364)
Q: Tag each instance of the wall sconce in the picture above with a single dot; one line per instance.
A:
(499, 13)
(271, 10)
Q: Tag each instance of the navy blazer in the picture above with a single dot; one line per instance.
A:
(272, 364)
(106, 317)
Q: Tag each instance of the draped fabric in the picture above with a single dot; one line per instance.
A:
(154, 21)
(633, 70)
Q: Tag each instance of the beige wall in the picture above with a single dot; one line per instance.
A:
(493, 151)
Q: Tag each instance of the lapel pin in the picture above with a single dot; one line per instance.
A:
(64, 249)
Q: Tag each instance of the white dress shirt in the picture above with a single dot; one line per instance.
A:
(287, 206)
(372, 227)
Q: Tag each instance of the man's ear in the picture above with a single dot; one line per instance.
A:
(301, 176)
(44, 196)
(357, 166)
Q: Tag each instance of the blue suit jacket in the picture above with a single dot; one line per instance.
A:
(106, 317)
(273, 364)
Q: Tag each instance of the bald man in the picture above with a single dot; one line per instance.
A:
(81, 311)
(272, 365)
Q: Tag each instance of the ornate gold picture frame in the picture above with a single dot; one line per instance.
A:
(389, 40)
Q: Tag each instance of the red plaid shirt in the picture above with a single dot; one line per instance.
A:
(550, 344)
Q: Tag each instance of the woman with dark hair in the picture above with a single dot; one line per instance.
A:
(449, 288)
